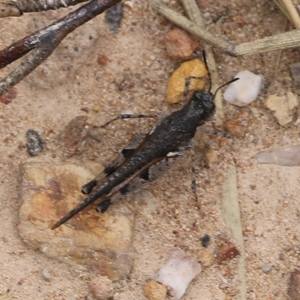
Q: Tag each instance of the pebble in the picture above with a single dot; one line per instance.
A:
(96, 107)
(295, 71)
(74, 136)
(102, 60)
(179, 44)
(178, 272)
(8, 96)
(102, 288)
(206, 258)
(266, 267)
(285, 156)
(205, 240)
(176, 83)
(34, 143)
(282, 107)
(235, 128)
(113, 17)
(155, 291)
(116, 296)
(294, 285)
(93, 241)
(245, 90)
(227, 251)
(46, 274)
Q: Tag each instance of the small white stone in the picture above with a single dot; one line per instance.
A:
(178, 272)
(266, 267)
(46, 274)
(245, 90)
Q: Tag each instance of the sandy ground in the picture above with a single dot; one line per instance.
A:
(73, 83)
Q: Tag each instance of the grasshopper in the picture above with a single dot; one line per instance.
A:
(145, 159)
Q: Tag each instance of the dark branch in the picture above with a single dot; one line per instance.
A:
(17, 8)
(44, 41)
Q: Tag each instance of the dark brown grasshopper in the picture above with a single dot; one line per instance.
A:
(168, 139)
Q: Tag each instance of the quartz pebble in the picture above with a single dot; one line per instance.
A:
(178, 272)
(155, 291)
(287, 156)
(102, 288)
(46, 274)
(266, 267)
(245, 90)
(283, 107)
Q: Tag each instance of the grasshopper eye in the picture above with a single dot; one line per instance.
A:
(205, 101)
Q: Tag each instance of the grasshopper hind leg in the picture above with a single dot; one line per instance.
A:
(88, 187)
(103, 206)
(113, 166)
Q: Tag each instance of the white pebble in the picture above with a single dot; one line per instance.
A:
(265, 267)
(46, 274)
(245, 90)
(178, 272)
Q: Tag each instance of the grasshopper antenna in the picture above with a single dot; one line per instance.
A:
(189, 78)
(232, 80)
(208, 72)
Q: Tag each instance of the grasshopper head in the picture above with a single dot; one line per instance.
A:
(205, 104)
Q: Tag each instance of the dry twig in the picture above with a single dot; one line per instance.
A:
(44, 41)
(280, 41)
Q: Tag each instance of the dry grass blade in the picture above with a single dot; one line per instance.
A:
(232, 218)
(279, 41)
(288, 9)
